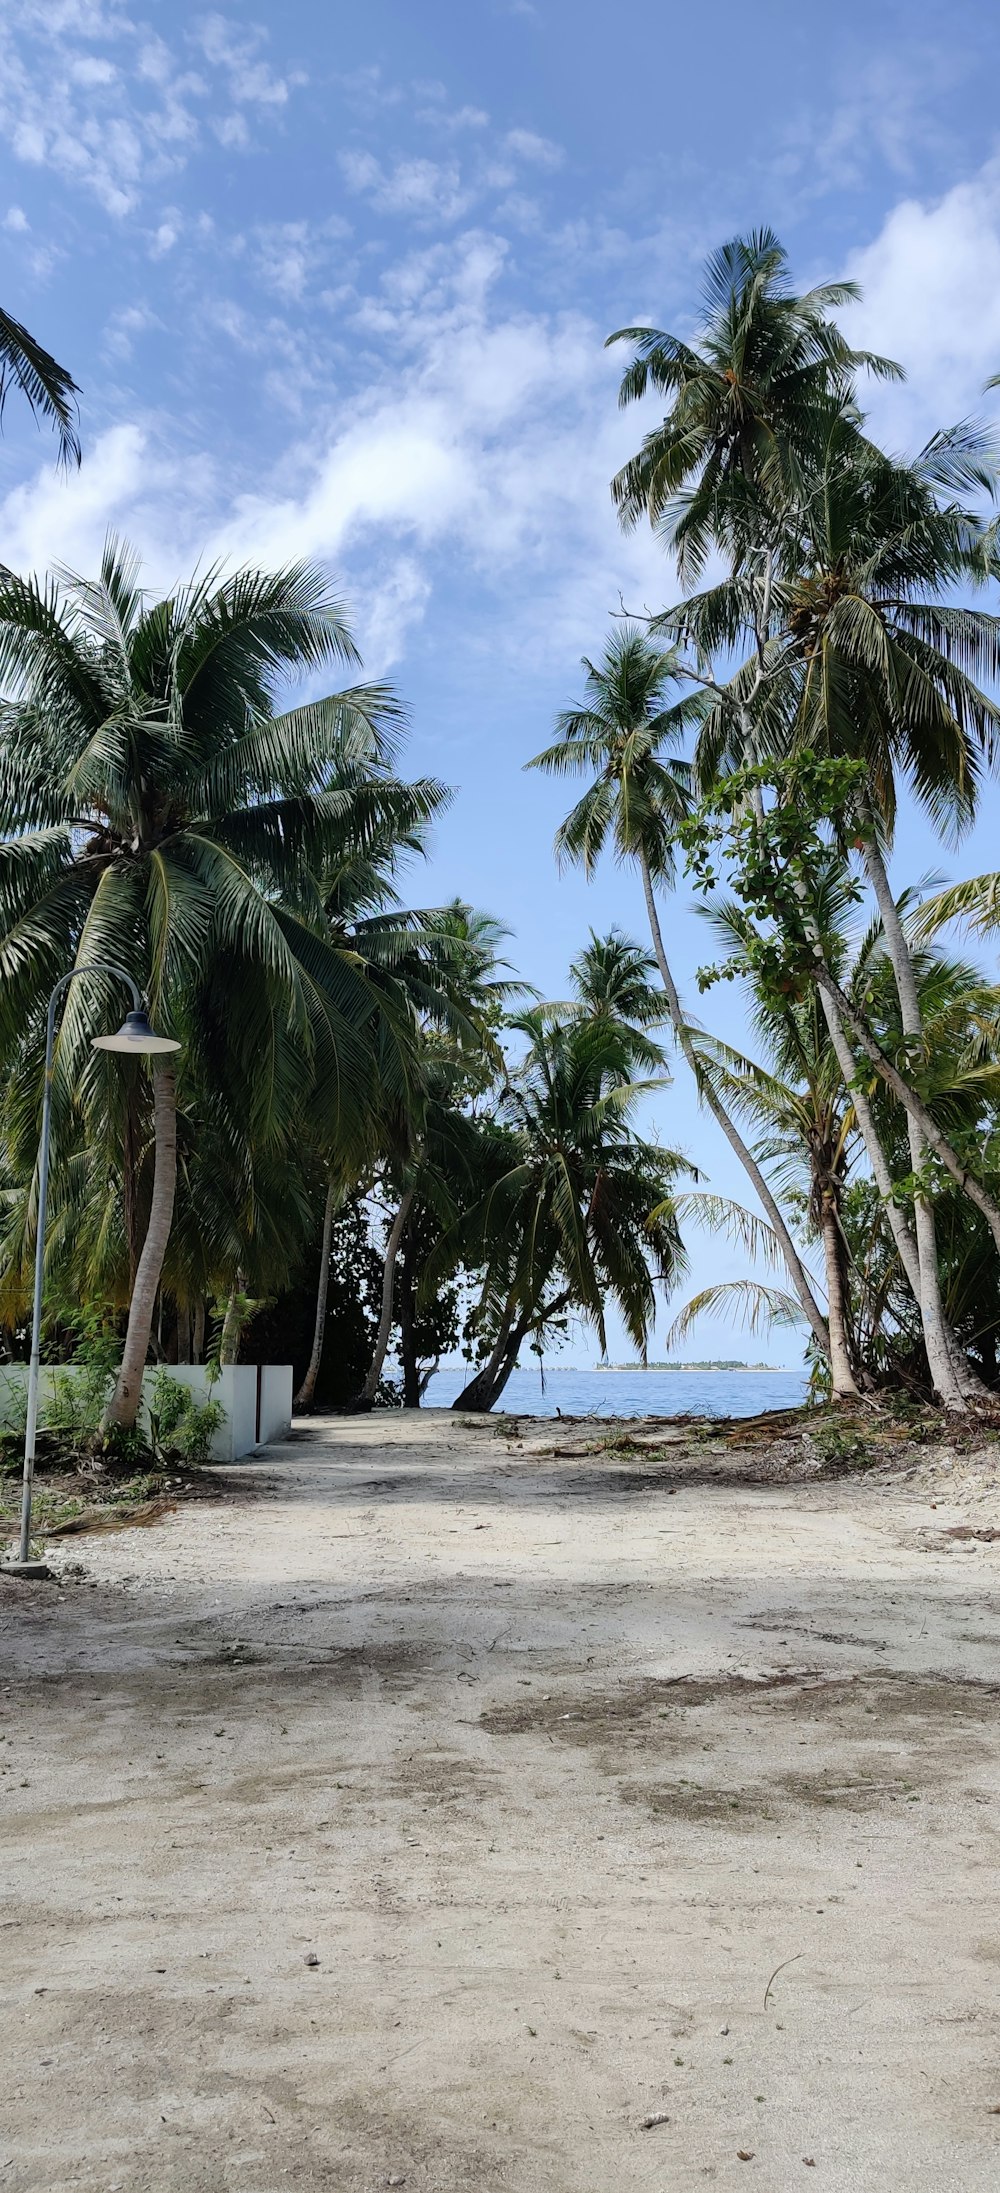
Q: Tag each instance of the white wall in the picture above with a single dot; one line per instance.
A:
(235, 1388)
(275, 1400)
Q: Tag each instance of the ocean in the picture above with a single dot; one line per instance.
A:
(632, 1393)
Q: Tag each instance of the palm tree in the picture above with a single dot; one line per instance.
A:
(612, 978)
(867, 660)
(764, 454)
(749, 399)
(640, 795)
(156, 811)
(798, 1105)
(579, 1207)
(459, 986)
(50, 391)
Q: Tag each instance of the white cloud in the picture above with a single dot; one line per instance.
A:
(232, 130)
(63, 517)
(931, 282)
(888, 108)
(395, 600)
(124, 327)
(290, 255)
(166, 234)
(525, 144)
(235, 48)
(116, 121)
(427, 190)
(16, 220)
(478, 457)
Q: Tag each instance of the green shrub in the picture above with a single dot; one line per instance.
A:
(181, 1428)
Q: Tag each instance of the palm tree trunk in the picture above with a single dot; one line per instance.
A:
(232, 1325)
(944, 1357)
(908, 1097)
(485, 1389)
(797, 1271)
(412, 1388)
(303, 1399)
(370, 1387)
(198, 1340)
(936, 1330)
(183, 1332)
(123, 1407)
(130, 1171)
(899, 1225)
(844, 1384)
(482, 1382)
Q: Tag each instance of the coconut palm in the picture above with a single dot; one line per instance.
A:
(579, 1209)
(749, 399)
(459, 986)
(867, 660)
(50, 391)
(613, 977)
(159, 810)
(804, 1119)
(623, 735)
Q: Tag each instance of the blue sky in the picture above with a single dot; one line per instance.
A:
(335, 283)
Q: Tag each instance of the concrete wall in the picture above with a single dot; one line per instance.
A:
(275, 1401)
(236, 1388)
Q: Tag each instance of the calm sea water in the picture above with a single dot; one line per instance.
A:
(633, 1393)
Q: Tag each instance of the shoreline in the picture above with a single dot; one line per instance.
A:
(649, 1370)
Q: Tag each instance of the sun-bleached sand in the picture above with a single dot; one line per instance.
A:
(478, 1806)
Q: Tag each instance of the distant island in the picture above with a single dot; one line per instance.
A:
(716, 1363)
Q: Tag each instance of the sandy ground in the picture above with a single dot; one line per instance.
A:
(600, 1791)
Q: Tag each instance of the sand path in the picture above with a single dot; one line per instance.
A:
(550, 1762)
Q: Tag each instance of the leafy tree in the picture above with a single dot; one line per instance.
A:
(750, 398)
(578, 1207)
(842, 564)
(623, 735)
(159, 811)
(282, 1332)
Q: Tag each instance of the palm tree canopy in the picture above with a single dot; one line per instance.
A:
(748, 398)
(864, 654)
(625, 733)
(159, 809)
(579, 1202)
(616, 976)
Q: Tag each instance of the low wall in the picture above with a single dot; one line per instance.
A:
(257, 1398)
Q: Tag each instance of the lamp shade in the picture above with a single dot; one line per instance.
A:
(135, 1036)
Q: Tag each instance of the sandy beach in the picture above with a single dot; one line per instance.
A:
(496, 1806)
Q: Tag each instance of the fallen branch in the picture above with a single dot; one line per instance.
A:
(781, 1968)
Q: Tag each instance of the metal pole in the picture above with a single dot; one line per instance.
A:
(104, 967)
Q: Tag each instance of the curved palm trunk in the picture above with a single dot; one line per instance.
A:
(936, 1330)
(844, 1384)
(911, 1101)
(370, 1387)
(303, 1399)
(796, 1268)
(944, 1357)
(482, 1390)
(123, 1407)
(899, 1225)
(908, 1097)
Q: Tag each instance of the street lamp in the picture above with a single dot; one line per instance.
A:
(134, 1038)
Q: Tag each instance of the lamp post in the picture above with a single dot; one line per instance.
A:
(135, 1037)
